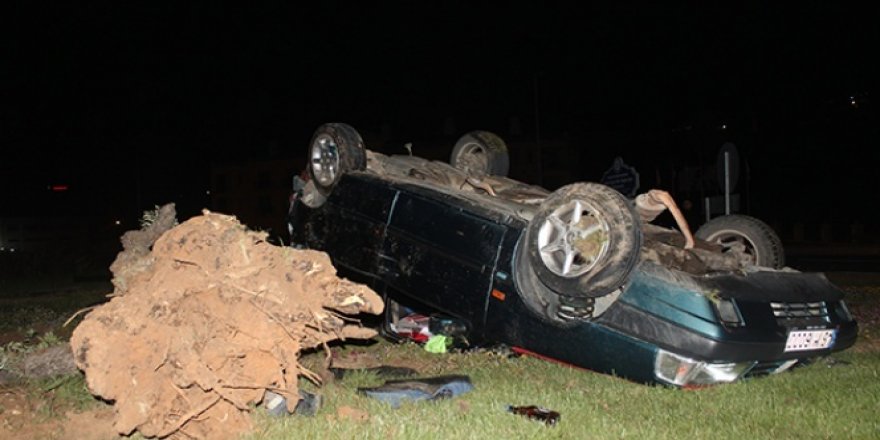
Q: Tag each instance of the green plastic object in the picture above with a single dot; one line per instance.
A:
(438, 344)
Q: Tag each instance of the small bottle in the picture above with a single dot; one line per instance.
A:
(536, 412)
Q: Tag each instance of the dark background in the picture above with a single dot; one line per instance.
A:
(131, 106)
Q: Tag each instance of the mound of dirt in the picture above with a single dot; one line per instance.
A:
(205, 320)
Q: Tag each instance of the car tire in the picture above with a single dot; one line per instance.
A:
(756, 239)
(584, 240)
(481, 153)
(335, 149)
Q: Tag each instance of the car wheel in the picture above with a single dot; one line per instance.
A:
(753, 239)
(335, 149)
(481, 153)
(584, 240)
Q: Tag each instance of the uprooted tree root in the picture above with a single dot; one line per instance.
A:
(206, 321)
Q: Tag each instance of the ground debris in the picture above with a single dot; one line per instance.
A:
(206, 321)
(135, 257)
(49, 362)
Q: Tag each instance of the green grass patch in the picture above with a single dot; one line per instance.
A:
(54, 397)
(822, 400)
(819, 401)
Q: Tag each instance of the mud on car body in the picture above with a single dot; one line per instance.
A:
(572, 275)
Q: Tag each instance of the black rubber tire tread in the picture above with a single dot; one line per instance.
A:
(625, 233)
(766, 243)
(498, 159)
(352, 152)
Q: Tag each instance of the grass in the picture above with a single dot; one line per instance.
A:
(816, 401)
(820, 401)
(49, 311)
(825, 400)
(58, 395)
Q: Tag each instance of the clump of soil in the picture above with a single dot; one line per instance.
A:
(205, 317)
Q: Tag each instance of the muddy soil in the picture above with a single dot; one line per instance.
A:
(205, 317)
(25, 416)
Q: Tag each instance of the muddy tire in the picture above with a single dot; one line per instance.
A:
(754, 239)
(335, 149)
(481, 153)
(584, 240)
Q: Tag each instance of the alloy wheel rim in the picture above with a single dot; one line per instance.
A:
(573, 239)
(325, 160)
(733, 241)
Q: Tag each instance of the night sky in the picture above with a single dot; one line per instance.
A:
(121, 100)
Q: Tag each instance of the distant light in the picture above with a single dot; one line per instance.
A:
(852, 101)
(724, 126)
(208, 192)
(58, 188)
(117, 223)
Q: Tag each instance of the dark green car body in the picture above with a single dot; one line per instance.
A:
(460, 256)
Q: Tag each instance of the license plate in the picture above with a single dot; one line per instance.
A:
(801, 340)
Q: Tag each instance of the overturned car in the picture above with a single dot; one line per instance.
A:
(578, 275)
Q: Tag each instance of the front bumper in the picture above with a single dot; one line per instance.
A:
(699, 343)
(740, 345)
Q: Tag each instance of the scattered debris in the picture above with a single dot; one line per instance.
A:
(395, 392)
(437, 332)
(349, 413)
(308, 405)
(545, 415)
(438, 344)
(414, 326)
(205, 318)
(52, 361)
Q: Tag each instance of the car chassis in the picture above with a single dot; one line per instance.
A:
(575, 275)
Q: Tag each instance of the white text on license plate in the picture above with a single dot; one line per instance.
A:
(800, 340)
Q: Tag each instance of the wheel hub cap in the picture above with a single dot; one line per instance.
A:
(325, 160)
(572, 239)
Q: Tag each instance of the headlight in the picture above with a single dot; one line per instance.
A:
(728, 312)
(682, 371)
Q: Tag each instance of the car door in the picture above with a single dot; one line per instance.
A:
(442, 254)
(351, 224)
